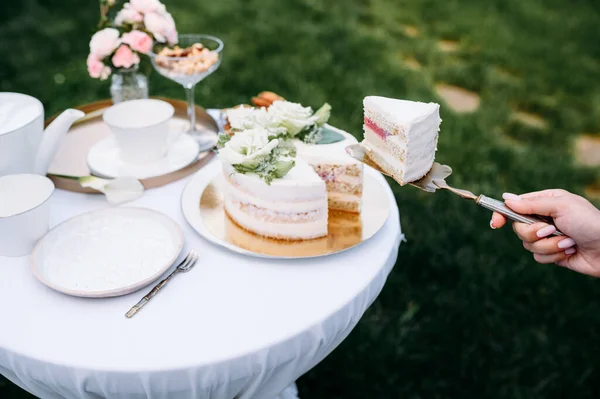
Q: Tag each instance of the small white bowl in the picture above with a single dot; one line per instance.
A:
(141, 129)
(24, 212)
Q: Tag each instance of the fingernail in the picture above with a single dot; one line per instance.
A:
(566, 243)
(492, 224)
(510, 196)
(570, 251)
(546, 231)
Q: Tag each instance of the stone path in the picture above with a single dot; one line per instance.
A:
(458, 99)
(448, 46)
(412, 63)
(410, 30)
(530, 119)
(587, 150)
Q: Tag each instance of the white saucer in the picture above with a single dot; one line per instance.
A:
(103, 160)
(107, 253)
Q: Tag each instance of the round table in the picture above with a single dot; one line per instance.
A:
(233, 327)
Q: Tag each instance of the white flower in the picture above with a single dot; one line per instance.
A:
(104, 42)
(294, 117)
(117, 191)
(248, 148)
(241, 118)
(268, 120)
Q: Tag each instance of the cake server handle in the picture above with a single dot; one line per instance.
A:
(499, 206)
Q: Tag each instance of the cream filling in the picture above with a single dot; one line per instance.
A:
(347, 197)
(308, 230)
(408, 171)
(342, 178)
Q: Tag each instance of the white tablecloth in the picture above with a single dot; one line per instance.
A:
(234, 326)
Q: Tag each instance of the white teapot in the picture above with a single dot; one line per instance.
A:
(23, 147)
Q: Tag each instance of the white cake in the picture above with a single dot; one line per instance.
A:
(293, 207)
(401, 136)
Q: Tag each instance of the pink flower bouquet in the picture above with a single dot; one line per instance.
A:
(132, 32)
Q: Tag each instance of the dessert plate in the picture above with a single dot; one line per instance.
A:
(202, 207)
(103, 160)
(107, 253)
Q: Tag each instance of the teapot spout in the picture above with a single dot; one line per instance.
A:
(51, 139)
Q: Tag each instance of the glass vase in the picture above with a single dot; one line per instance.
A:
(128, 84)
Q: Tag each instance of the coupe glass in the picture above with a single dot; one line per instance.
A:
(187, 69)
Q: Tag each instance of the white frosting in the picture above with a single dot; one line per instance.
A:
(334, 153)
(301, 183)
(308, 230)
(401, 112)
(236, 193)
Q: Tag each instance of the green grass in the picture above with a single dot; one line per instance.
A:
(466, 312)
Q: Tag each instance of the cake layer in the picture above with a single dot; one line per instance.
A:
(281, 230)
(268, 215)
(235, 192)
(344, 202)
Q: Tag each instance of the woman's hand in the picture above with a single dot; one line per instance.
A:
(573, 215)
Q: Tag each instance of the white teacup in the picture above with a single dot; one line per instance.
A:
(141, 129)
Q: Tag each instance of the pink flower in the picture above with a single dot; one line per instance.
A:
(172, 37)
(161, 26)
(94, 66)
(128, 15)
(104, 42)
(146, 6)
(124, 57)
(138, 41)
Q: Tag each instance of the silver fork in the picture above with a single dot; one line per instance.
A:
(185, 266)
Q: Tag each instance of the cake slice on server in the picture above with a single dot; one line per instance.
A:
(401, 136)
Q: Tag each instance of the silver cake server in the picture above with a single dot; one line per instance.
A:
(435, 179)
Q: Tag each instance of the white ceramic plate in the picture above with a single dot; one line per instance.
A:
(107, 253)
(103, 160)
(202, 207)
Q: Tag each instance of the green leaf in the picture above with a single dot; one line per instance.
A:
(223, 139)
(323, 114)
(283, 167)
(329, 136)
